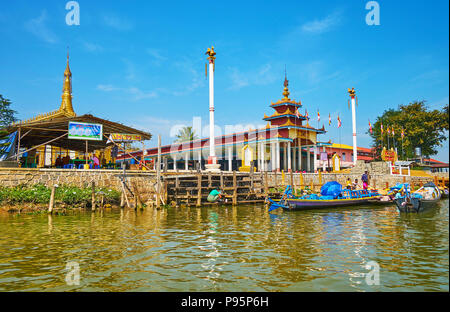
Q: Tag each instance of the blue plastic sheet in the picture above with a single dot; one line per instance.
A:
(332, 188)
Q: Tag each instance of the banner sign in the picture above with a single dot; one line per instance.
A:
(85, 131)
(120, 137)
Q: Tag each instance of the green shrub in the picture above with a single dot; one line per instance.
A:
(70, 195)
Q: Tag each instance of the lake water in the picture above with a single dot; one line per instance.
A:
(227, 249)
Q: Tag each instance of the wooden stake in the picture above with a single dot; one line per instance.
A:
(234, 188)
(93, 195)
(199, 190)
(158, 174)
(52, 200)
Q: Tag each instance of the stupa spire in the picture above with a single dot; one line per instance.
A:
(66, 103)
(286, 84)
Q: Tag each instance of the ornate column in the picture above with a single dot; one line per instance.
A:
(212, 159)
(352, 93)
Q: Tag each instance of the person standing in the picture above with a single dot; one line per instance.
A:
(365, 180)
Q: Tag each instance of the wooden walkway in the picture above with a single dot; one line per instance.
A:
(193, 189)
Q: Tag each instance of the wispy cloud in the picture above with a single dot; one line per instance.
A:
(92, 47)
(37, 26)
(157, 57)
(116, 22)
(196, 78)
(137, 94)
(261, 76)
(319, 26)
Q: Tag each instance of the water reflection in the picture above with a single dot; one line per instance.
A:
(226, 249)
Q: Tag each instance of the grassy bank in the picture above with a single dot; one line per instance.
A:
(37, 197)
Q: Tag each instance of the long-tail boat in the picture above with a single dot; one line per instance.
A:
(426, 197)
(343, 198)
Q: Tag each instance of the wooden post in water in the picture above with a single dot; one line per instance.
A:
(122, 200)
(199, 190)
(252, 168)
(234, 188)
(266, 183)
(52, 200)
(221, 180)
(93, 195)
(158, 174)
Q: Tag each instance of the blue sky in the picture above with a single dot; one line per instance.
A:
(142, 63)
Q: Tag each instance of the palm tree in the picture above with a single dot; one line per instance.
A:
(186, 134)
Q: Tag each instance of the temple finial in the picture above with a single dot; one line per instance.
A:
(286, 83)
(66, 103)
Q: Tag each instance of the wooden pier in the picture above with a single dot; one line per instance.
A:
(236, 188)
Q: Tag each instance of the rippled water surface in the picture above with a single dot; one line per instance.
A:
(227, 249)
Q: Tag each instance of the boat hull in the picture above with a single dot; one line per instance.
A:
(306, 204)
(416, 204)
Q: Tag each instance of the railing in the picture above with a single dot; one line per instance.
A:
(398, 170)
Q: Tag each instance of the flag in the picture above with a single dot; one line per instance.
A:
(393, 133)
(382, 131)
(297, 113)
(329, 119)
(339, 122)
(403, 133)
(306, 114)
(370, 127)
(318, 116)
(388, 130)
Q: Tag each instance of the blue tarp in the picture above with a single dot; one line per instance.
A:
(332, 188)
(7, 146)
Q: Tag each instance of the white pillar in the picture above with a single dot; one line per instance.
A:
(263, 161)
(174, 161)
(273, 158)
(289, 160)
(230, 158)
(186, 161)
(285, 156)
(300, 156)
(294, 158)
(355, 152)
(200, 158)
(277, 156)
(308, 159)
(315, 157)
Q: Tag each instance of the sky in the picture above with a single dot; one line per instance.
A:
(142, 63)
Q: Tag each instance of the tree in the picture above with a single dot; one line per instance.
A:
(422, 128)
(6, 118)
(186, 134)
(6, 113)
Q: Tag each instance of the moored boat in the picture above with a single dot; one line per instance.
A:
(332, 196)
(426, 197)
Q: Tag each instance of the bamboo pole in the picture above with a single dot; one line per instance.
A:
(158, 173)
(93, 195)
(52, 200)
(199, 190)
(234, 188)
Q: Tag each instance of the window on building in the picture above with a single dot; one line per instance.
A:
(343, 156)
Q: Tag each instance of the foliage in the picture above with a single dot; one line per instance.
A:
(186, 134)
(6, 113)
(422, 128)
(70, 195)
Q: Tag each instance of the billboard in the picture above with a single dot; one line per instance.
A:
(120, 137)
(85, 131)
